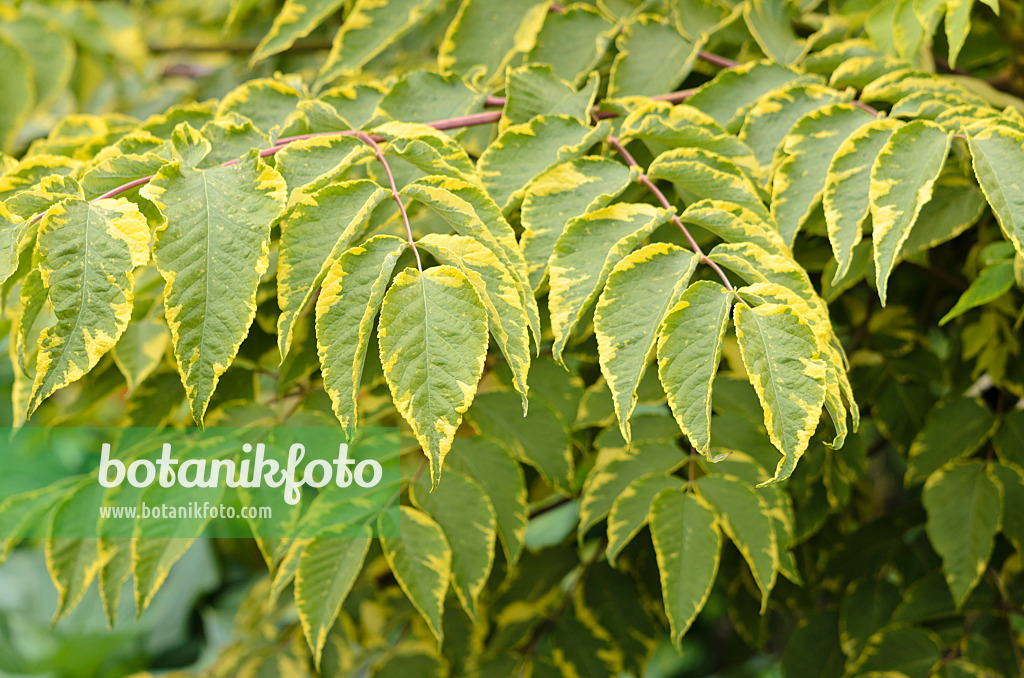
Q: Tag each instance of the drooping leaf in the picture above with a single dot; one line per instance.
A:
(295, 20)
(421, 561)
(212, 249)
(86, 253)
(687, 543)
(557, 195)
(901, 184)
(780, 353)
(584, 256)
(689, 350)
(313, 236)
(349, 300)
(769, 121)
(72, 555)
(327, 568)
(141, 349)
(640, 290)
(996, 151)
(19, 90)
(631, 509)
(433, 340)
(466, 516)
(964, 511)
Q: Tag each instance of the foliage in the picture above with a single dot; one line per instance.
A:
(483, 221)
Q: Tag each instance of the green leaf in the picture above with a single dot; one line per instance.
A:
(735, 223)
(771, 24)
(997, 152)
(906, 651)
(267, 102)
(689, 350)
(72, 556)
(813, 649)
(572, 42)
(327, 569)
(560, 193)
(705, 174)
(497, 472)
(807, 153)
(308, 165)
(745, 518)
(534, 90)
(212, 250)
(141, 349)
(86, 253)
(295, 20)
(699, 19)
(846, 199)
(610, 477)
(523, 151)
(687, 544)
(428, 149)
(868, 607)
(901, 183)
(19, 90)
(433, 340)
(734, 91)
(349, 299)
(541, 438)
(370, 27)
(466, 516)
(12, 230)
(952, 430)
(774, 114)
(50, 51)
(313, 236)
(498, 291)
(631, 508)
(956, 205)
(423, 96)
(653, 58)
(994, 282)
(780, 353)
(1011, 479)
(421, 561)
(964, 509)
(640, 290)
(584, 256)
(472, 41)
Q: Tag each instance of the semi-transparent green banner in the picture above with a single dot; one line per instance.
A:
(272, 482)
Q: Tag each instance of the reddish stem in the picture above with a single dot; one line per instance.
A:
(369, 141)
(646, 181)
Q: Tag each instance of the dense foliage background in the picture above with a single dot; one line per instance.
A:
(814, 205)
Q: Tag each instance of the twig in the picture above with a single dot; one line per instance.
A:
(369, 141)
(646, 181)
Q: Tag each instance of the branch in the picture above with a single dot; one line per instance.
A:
(646, 181)
(369, 141)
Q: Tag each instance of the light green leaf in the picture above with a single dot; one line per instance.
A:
(998, 152)
(268, 102)
(958, 25)
(687, 544)
(780, 353)
(309, 165)
(523, 151)
(745, 518)
(327, 569)
(349, 299)
(807, 153)
(733, 92)
(141, 349)
(584, 256)
(428, 149)
(501, 478)
(498, 291)
(12, 230)
(19, 90)
(771, 24)
(534, 89)
(699, 19)
(487, 33)
(952, 430)
(86, 253)
(557, 195)
(72, 555)
(50, 51)
(433, 340)
(423, 96)
(630, 511)
(653, 58)
(295, 20)
(964, 507)
(313, 236)
(640, 290)
(846, 199)
(572, 42)
(370, 27)
(466, 516)
(689, 350)
(212, 250)
(706, 174)
(901, 184)
(992, 283)
(957, 203)
(769, 121)
(612, 474)
(421, 561)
